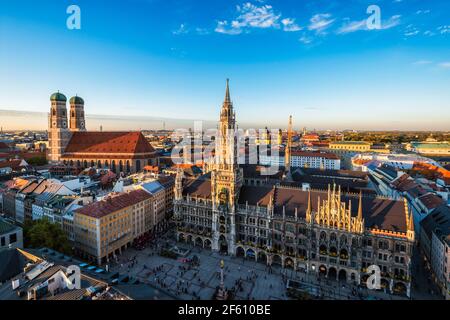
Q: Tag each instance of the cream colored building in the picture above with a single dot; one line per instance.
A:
(105, 228)
(350, 146)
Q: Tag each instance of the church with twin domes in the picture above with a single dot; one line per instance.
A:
(71, 144)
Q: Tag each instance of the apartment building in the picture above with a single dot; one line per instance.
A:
(103, 229)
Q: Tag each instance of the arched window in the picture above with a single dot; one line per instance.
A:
(343, 240)
(138, 165)
(333, 237)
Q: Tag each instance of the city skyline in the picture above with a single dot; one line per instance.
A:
(323, 65)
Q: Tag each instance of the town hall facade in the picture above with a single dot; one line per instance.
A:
(334, 235)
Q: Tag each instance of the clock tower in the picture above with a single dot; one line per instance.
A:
(226, 179)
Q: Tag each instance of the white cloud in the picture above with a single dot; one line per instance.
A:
(411, 31)
(445, 65)
(444, 29)
(223, 27)
(353, 26)
(181, 30)
(422, 62)
(422, 11)
(320, 22)
(391, 22)
(202, 31)
(289, 25)
(305, 39)
(250, 16)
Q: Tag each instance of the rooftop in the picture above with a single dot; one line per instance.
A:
(378, 213)
(351, 142)
(312, 154)
(107, 143)
(113, 203)
(438, 221)
(6, 227)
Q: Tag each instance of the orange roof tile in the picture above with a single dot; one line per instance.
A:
(114, 203)
(107, 143)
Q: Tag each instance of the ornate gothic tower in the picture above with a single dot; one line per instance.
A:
(58, 134)
(77, 122)
(287, 154)
(226, 179)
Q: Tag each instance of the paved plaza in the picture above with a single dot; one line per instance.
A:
(200, 282)
(257, 281)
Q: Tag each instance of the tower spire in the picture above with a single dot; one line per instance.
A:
(308, 209)
(227, 92)
(360, 206)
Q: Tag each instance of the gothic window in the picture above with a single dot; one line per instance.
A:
(290, 227)
(343, 240)
(333, 236)
(323, 236)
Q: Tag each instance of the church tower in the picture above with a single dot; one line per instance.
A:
(226, 179)
(77, 122)
(58, 133)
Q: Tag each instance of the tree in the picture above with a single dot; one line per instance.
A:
(37, 161)
(43, 233)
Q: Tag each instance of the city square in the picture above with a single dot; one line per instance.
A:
(258, 281)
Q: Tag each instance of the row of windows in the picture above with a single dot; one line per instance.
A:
(12, 239)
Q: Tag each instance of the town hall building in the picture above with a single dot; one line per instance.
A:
(331, 234)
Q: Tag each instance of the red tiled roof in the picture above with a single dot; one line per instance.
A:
(107, 143)
(114, 203)
(13, 164)
(431, 201)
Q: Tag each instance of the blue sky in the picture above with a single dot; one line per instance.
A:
(314, 59)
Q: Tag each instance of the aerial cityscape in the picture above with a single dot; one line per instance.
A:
(197, 162)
